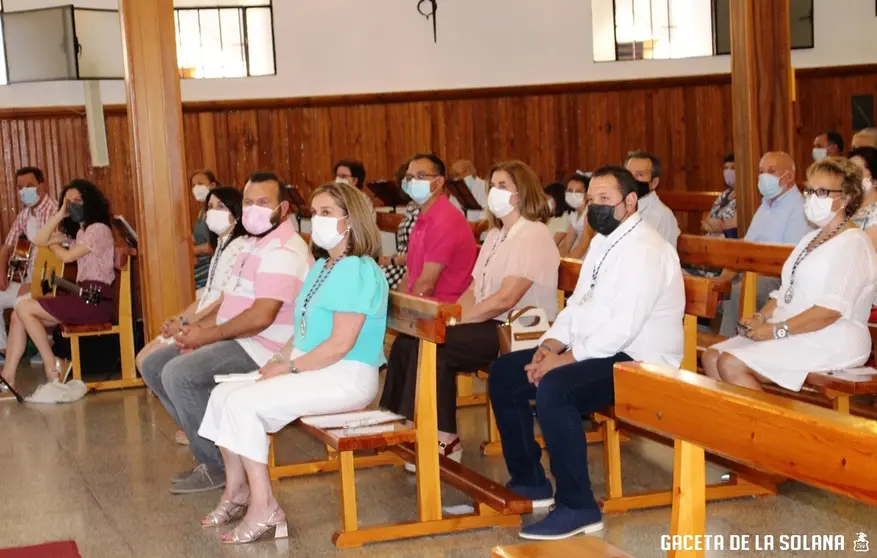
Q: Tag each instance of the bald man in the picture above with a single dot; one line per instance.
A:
(865, 138)
(779, 220)
(464, 170)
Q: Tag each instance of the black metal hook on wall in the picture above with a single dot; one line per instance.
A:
(432, 5)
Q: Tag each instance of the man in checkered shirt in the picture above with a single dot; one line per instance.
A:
(37, 208)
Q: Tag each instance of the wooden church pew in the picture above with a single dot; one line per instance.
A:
(764, 431)
(494, 505)
(753, 259)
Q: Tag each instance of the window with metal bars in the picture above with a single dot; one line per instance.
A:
(225, 41)
(654, 29)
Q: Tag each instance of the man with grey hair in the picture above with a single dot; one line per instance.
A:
(646, 168)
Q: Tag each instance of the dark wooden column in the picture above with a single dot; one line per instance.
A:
(761, 74)
(159, 184)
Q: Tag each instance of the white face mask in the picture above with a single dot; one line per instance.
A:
(499, 202)
(200, 192)
(818, 210)
(218, 221)
(575, 199)
(419, 190)
(324, 231)
(867, 184)
(819, 153)
(343, 180)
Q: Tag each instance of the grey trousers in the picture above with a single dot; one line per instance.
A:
(183, 384)
(731, 307)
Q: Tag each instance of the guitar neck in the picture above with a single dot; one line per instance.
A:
(68, 286)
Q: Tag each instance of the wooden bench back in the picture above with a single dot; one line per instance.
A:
(689, 202)
(701, 294)
(737, 255)
(690, 207)
(750, 258)
(769, 432)
(423, 318)
(389, 222)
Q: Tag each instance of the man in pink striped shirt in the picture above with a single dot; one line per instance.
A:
(36, 208)
(254, 321)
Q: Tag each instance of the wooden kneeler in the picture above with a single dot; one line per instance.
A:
(494, 504)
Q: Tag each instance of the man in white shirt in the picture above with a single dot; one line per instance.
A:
(646, 168)
(627, 305)
(464, 170)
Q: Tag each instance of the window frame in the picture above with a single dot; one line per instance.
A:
(242, 9)
(714, 22)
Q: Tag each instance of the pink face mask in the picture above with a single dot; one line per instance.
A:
(257, 219)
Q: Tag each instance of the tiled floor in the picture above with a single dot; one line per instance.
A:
(97, 471)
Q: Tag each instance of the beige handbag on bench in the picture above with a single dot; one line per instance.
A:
(522, 329)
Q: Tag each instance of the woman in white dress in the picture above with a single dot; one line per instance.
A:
(817, 320)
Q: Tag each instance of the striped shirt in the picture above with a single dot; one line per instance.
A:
(272, 267)
(42, 212)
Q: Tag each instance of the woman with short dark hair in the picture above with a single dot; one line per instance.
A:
(817, 320)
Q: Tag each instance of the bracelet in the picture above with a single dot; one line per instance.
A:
(761, 316)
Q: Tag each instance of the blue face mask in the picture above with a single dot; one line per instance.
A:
(28, 196)
(405, 184)
(419, 191)
(769, 185)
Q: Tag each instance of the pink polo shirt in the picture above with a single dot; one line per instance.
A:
(442, 235)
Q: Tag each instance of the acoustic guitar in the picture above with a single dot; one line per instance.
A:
(90, 294)
(19, 261)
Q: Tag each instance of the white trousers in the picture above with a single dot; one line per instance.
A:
(8, 299)
(240, 415)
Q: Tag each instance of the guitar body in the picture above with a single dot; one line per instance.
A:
(45, 265)
(20, 260)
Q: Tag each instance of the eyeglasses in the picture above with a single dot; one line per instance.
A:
(419, 176)
(820, 192)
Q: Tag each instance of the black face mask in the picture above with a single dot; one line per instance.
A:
(642, 189)
(602, 219)
(76, 212)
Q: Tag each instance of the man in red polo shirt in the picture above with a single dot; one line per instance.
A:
(441, 250)
(441, 255)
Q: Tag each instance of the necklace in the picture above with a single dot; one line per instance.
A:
(596, 272)
(811, 246)
(494, 249)
(321, 278)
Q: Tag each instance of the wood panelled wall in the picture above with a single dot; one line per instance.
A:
(555, 128)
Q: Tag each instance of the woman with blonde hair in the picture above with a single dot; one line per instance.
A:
(330, 365)
(516, 268)
(817, 320)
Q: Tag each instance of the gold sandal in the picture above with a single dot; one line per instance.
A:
(279, 526)
(226, 512)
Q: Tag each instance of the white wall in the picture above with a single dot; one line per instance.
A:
(329, 47)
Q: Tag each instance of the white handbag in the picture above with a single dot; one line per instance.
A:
(522, 329)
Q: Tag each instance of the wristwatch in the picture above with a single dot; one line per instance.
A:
(780, 330)
(292, 368)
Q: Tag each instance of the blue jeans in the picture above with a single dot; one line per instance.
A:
(563, 396)
(183, 384)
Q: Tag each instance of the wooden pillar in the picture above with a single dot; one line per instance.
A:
(761, 71)
(158, 183)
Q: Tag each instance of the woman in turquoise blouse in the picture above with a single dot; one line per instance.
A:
(332, 364)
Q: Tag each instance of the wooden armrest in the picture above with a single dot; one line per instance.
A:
(86, 328)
